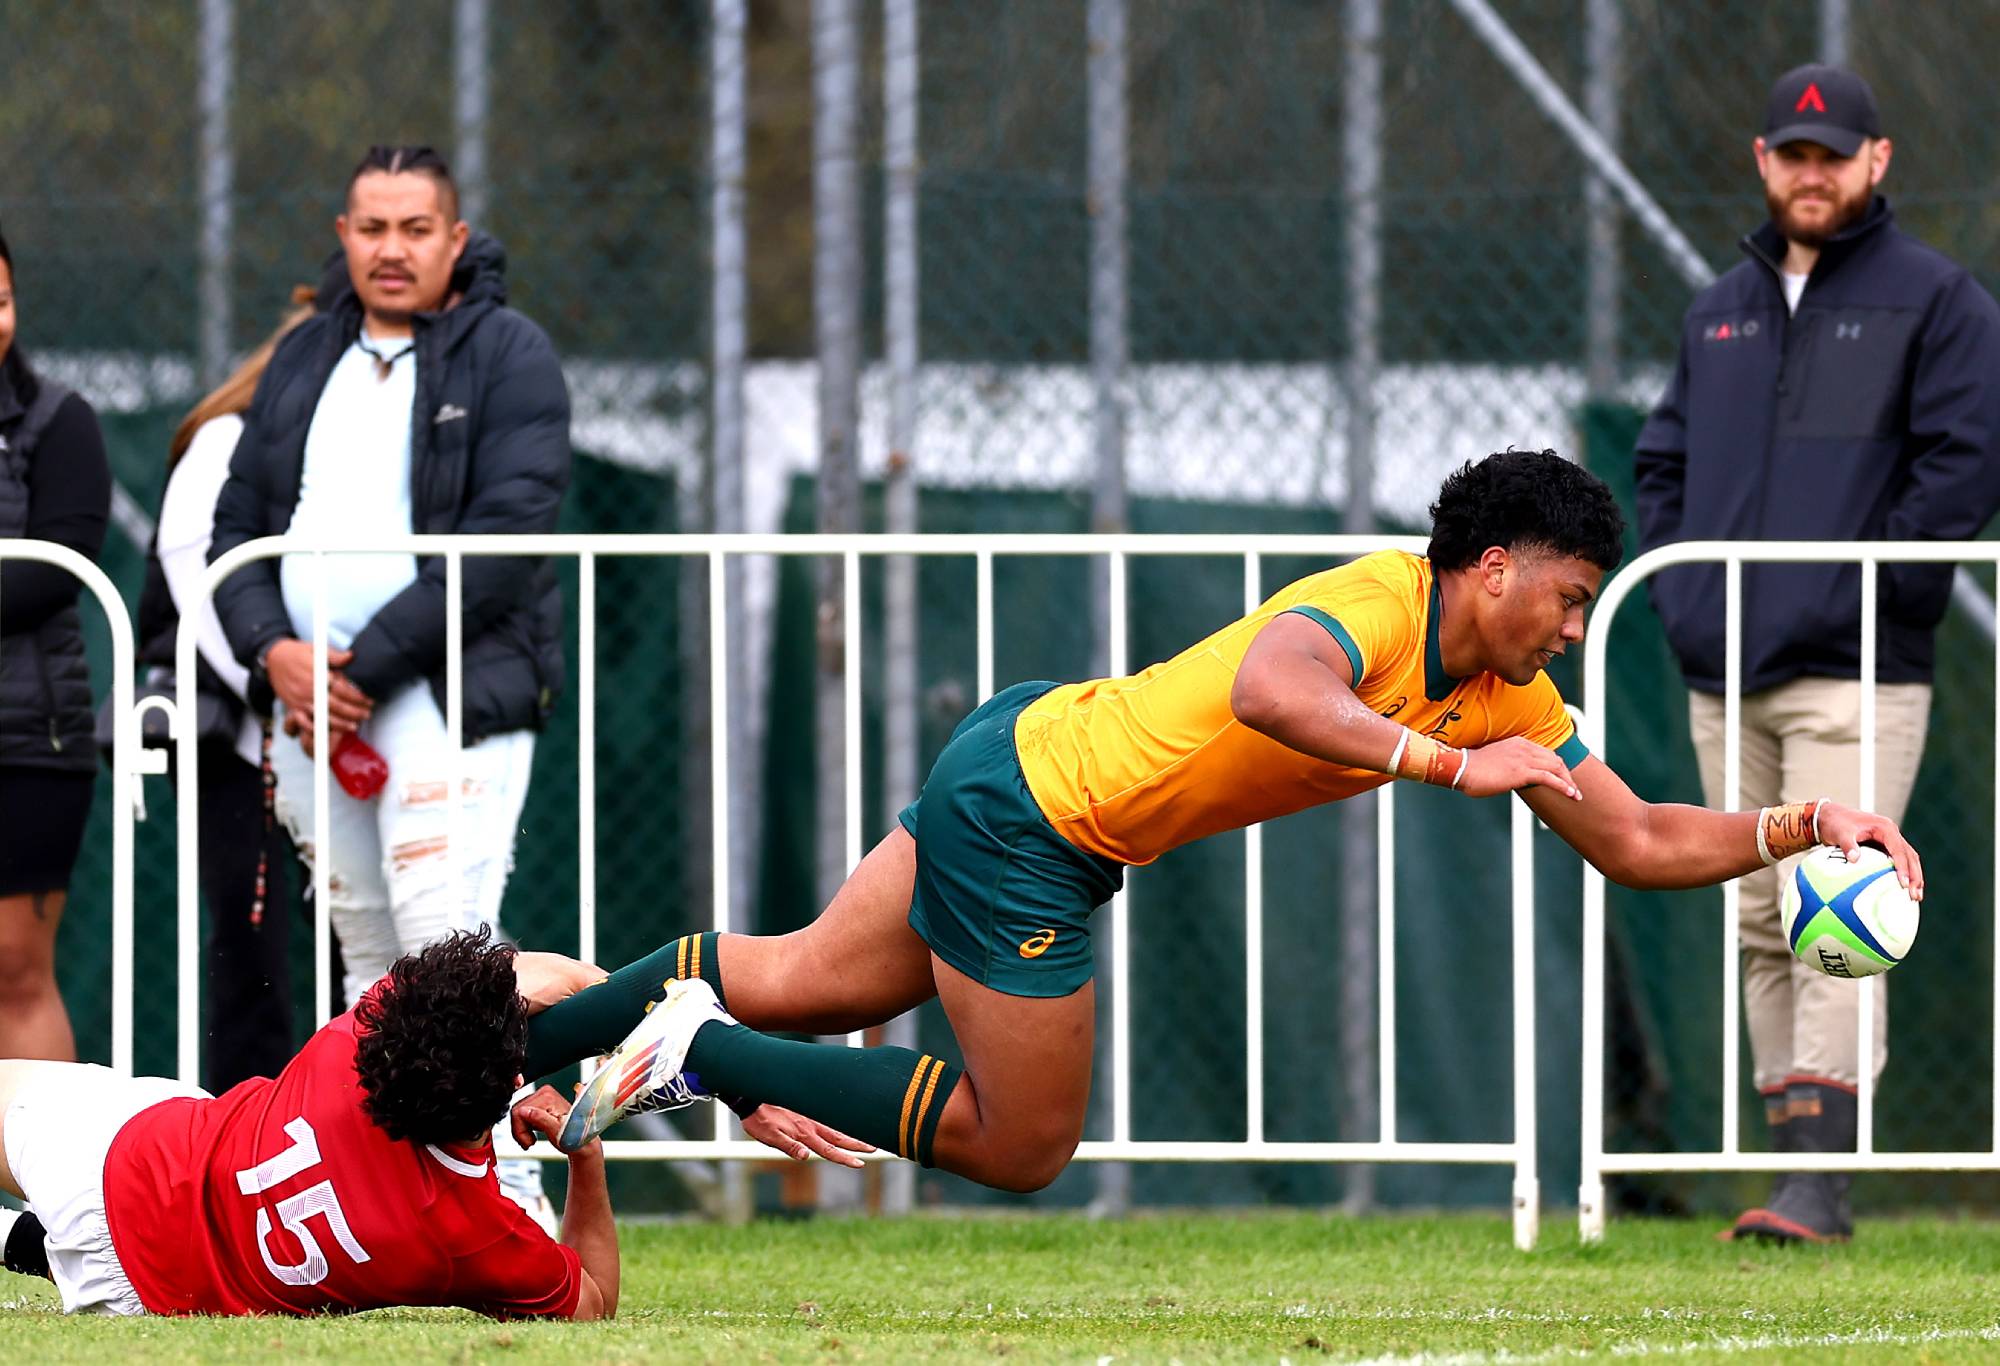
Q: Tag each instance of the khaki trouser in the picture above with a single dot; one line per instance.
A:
(1802, 740)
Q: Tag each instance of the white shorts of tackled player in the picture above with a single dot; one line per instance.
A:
(1848, 917)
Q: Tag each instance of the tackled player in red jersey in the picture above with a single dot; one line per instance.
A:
(362, 1176)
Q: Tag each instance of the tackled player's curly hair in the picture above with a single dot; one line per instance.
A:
(1525, 500)
(441, 1040)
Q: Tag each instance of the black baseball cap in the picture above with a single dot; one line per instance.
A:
(1823, 104)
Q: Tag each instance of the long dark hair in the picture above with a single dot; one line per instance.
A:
(233, 394)
(14, 367)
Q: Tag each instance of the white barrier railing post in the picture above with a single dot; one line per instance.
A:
(1590, 1194)
(322, 809)
(1385, 961)
(187, 861)
(718, 778)
(1527, 1180)
(128, 761)
(586, 757)
(1732, 891)
(1120, 908)
(1869, 987)
(850, 705)
(1253, 920)
(983, 592)
(454, 732)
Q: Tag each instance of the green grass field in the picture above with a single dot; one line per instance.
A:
(1252, 1287)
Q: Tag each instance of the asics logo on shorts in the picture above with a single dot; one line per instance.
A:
(1037, 944)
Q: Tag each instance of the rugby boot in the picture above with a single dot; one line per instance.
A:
(645, 1072)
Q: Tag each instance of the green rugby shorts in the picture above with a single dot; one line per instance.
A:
(999, 894)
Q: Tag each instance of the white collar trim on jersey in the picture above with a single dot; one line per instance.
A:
(453, 1164)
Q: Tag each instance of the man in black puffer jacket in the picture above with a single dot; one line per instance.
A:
(415, 401)
(1843, 384)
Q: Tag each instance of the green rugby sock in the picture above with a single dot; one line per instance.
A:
(597, 1019)
(890, 1097)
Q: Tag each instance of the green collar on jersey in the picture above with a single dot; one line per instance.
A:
(1438, 684)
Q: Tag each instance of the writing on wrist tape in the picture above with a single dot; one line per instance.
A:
(1786, 830)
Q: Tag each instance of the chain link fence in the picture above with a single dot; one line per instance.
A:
(1178, 265)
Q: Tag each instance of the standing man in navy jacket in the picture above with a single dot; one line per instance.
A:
(1841, 384)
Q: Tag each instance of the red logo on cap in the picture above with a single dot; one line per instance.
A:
(1810, 100)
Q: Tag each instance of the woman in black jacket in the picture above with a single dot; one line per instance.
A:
(55, 485)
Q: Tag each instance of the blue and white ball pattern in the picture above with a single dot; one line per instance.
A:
(1847, 917)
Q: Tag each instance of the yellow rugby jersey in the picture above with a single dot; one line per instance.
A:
(1132, 767)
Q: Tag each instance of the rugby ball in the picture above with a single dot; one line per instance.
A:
(1847, 917)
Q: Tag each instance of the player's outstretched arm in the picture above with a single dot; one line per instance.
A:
(587, 1223)
(1656, 846)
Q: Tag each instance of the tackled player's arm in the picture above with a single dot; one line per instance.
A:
(546, 978)
(588, 1227)
(1658, 846)
(587, 1223)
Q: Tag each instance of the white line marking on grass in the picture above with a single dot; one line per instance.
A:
(1771, 1342)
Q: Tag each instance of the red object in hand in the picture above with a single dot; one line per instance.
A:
(360, 771)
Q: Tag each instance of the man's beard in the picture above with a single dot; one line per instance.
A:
(1845, 214)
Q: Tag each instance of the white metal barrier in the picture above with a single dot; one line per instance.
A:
(128, 760)
(1596, 1162)
(1518, 1152)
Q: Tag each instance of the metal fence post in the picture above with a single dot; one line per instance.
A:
(1833, 32)
(729, 343)
(1110, 363)
(724, 511)
(218, 184)
(1361, 175)
(837, 268)
(1602, 77)
(902, 708)
(470, 102)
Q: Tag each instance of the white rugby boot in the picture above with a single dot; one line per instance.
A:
(646, 1071)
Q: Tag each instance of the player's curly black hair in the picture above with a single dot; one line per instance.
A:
(441, 1039)
(1525, 500)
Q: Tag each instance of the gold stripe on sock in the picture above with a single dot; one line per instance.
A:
(909, 1100)
(694, 957)
(681, 960)
(924, 1106)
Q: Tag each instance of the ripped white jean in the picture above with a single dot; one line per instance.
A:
(391, 884)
